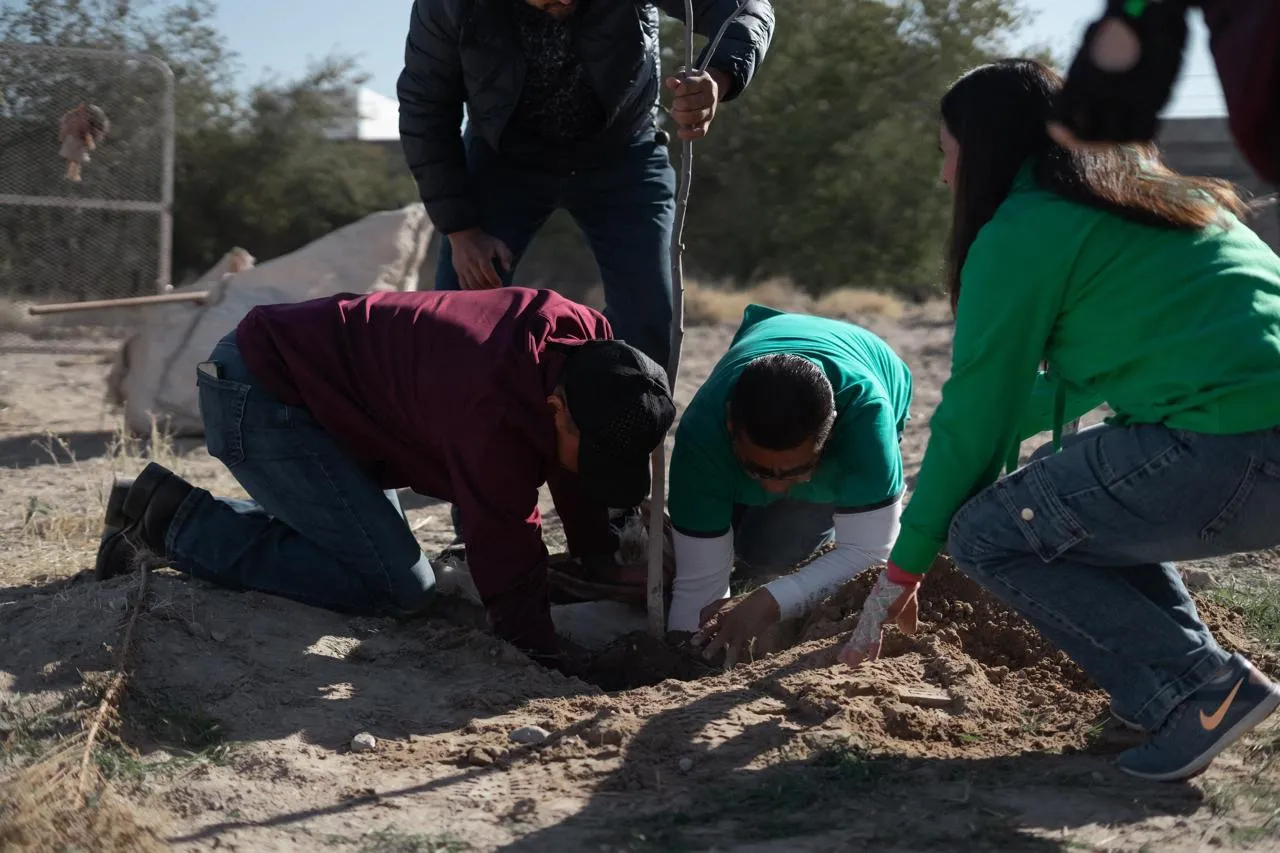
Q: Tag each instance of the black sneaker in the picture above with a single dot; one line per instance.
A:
(1206, 723)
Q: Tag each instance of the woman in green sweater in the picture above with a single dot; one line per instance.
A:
(1139, 288)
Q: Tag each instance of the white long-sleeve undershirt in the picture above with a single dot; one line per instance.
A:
(703, 566)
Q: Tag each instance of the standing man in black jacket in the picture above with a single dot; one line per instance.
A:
(561, 98)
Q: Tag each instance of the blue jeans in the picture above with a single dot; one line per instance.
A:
(625, 209)
(319, 529)
(772, 539)
(1080, 543)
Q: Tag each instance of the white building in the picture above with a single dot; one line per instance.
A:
(372, 118)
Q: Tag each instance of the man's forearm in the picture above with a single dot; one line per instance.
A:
(586, 524)
(745, 42)
(703, 566)
(437, 160)
(724, 83)
(862, 540)
(432, 98)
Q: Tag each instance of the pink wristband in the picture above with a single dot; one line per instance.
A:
(900, 576)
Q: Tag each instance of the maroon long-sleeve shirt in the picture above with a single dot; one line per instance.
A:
(445, 393)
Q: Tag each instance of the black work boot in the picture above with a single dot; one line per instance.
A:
(115, 519)
(147, 508)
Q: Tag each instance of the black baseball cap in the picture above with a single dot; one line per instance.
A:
(621, 403)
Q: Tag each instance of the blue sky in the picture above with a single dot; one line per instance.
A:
(283, 36)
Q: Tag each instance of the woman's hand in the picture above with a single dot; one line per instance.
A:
(892, 599)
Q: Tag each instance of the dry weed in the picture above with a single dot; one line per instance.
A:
(63, 801)
(709, 305)
(849, 303)
(42, 810)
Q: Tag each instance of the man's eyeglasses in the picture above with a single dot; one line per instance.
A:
(757, 472)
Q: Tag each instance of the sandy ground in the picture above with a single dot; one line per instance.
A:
(236, 729)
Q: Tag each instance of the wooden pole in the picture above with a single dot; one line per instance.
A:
(158, 299)
(657, 497)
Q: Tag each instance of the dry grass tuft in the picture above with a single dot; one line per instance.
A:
(706, 305)
(127, 454)
(43, 808)
(712, 305)
(848, 303)
(63, 801)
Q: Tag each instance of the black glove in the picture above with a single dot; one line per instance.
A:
(1123, 105)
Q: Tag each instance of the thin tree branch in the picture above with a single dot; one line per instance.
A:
(657, 497)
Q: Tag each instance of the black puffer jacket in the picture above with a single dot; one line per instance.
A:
(465, 52)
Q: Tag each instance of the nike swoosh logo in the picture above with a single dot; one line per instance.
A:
(1212, 722)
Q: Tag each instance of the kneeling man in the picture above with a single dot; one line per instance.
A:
(792, 441)
(321, 409)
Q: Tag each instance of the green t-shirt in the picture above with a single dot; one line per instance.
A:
(1171, 327)
(861, 465)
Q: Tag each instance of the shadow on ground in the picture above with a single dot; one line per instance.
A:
(220, 668)
(840, 797)
(32, 450)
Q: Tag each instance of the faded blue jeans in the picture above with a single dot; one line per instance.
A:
(625, 207)
(319, 529)
(1080, 542)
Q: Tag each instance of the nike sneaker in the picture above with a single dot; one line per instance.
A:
(1207, 722)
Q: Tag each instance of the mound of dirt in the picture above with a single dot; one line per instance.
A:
(975, 679)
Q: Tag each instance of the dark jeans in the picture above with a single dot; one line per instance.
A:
(770, 540)
(625, 209)
(1081, 542)
(319, 529)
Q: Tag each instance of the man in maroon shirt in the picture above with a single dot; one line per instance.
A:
(321, 409)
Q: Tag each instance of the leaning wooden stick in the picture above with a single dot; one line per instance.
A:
(657, 498)
(126, 302)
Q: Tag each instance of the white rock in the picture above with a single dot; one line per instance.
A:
(364, 742)
(530, 734)
(218, 636)
(686, 764)
(1198, 579)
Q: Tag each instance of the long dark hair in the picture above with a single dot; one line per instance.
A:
(997, 113)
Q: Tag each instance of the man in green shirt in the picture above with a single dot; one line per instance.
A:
(792, 441)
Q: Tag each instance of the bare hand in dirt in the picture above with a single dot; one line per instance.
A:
(711, 610)
(892, 599)
(696, 95)
(474, 253)
(735, 623)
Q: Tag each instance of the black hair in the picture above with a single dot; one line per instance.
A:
(997, 114)
(780, 401)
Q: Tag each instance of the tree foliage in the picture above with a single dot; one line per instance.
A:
(826, 169)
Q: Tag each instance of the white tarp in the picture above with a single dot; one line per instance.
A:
(155, 373)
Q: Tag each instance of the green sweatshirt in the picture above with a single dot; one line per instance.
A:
(1173, 327)
(861, 467)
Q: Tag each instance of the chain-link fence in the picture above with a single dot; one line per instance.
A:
(108, 234)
